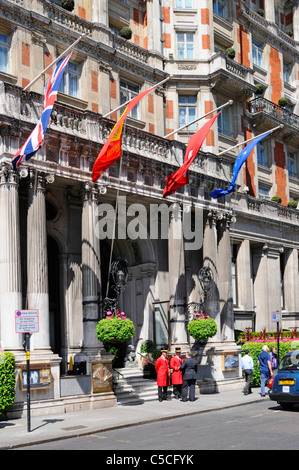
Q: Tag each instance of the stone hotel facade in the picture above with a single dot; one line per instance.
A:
(51, 257)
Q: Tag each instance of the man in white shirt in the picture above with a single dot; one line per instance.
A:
(247, 367)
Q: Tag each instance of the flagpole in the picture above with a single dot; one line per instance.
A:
(230, 102)
(281, 126)
(124, 104)
(54, 61)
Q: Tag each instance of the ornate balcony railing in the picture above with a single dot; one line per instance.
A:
(261, 105)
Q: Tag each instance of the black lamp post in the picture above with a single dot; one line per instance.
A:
(119, 273)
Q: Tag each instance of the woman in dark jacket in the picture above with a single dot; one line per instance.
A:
(189, 370)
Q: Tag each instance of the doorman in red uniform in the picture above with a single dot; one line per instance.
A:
(162, 369)
(177, 378)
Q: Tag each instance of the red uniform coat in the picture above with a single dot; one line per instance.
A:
(175, 364)
(162, 371)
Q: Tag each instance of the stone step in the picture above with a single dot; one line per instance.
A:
(131, 387)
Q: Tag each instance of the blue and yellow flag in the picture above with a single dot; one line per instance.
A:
(242, 157)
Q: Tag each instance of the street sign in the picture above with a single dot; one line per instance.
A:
(276, 317)
(27, 321)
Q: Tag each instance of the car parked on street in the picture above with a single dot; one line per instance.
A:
(285, 387)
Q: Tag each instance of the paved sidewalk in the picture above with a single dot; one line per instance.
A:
(13, 433)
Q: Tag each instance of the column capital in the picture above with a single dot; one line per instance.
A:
(8, 175)
(92, 191)
(39, 180)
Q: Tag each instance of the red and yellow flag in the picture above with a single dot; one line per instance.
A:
(111, 150)
(181, 176)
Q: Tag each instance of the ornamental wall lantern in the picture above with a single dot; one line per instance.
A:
(119, 273)
(205, 277)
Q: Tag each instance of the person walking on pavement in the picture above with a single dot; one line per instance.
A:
(189, 370)
(162, 369)
(264, 361)
(177, 378)
(274, 359)
(247, 367)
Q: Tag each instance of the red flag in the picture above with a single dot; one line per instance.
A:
(111, 150)
(181, 176)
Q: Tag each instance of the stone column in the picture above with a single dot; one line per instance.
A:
(100, 12)
(267, 286)
(154, 26)
(244, 276)
(177, 280)
(225, 279)
(10, 260)
(210, 258)
(37, 263)
(296, 21)
(270, 11)
(91, 271)
(291, 280)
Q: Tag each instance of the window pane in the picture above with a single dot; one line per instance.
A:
(73, 85)
(3, 38)
(3, 59)
(189, 51)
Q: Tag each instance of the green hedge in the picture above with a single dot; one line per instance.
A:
(7, 380)
(256, 348)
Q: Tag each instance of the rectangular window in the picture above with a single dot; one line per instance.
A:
(257, 53)
(187, 111)
(262, 158)
(185, 45)
(183, 4)
(287, 72)
(264, 193)
(4, 48)
(225, 122)
(128, 91)
(291, 164)
(70, 80)
(220, 8)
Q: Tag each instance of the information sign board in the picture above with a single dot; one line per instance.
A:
(27, 321)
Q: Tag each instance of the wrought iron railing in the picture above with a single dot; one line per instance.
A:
(260, 104)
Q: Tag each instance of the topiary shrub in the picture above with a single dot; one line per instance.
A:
(259, 89)
(276, 199)
(282, 101)
(293, 204)
(68, 4)
(7, 380)
(230, 52)
(126, 32)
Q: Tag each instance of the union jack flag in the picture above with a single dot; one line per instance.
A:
(36, 138)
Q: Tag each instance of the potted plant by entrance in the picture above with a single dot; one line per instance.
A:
(202, 327)
(148, 352)
(115, 331)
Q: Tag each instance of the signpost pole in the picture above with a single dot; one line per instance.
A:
(276, 317)
(27, 339)
(277, 343)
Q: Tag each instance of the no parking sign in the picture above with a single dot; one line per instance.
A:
(27, 321)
